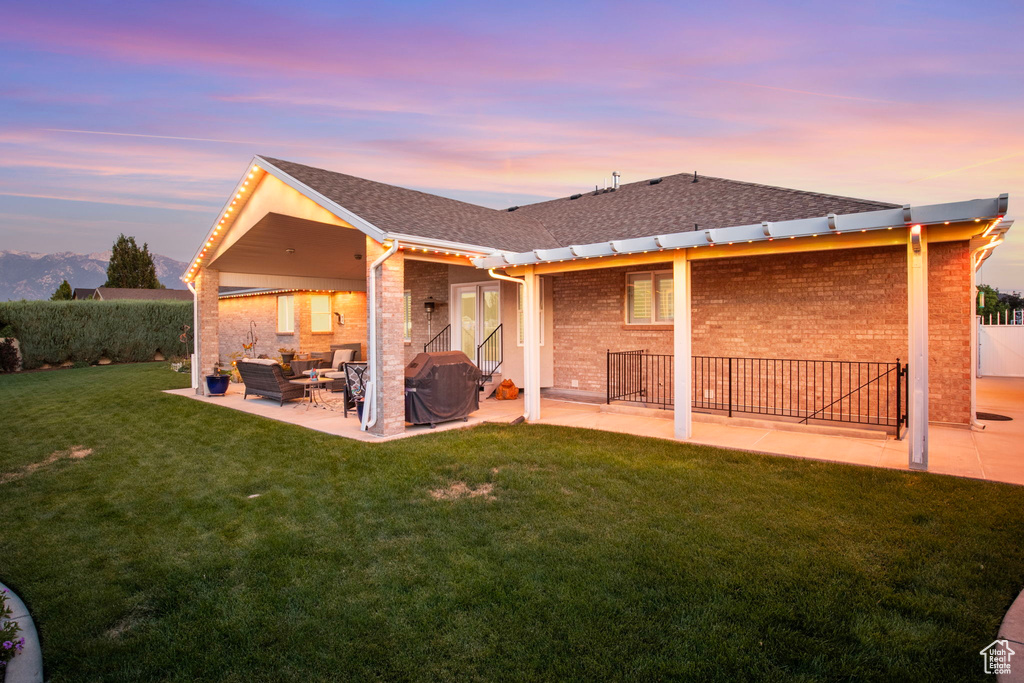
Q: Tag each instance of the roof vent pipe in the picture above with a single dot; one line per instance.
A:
(694, 176)
(615, 180)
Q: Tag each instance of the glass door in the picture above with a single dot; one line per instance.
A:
(475, 315)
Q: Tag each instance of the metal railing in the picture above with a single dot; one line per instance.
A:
(442, 341)
(872, 393)
(488, 354)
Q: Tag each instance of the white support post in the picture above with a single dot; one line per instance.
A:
(917, 344)
(531, 344)
(682, 347)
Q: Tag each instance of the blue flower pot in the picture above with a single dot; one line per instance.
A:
(217, 385)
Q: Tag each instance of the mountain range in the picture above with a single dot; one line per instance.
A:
(28, 275)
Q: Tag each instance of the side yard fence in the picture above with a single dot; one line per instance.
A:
(56, 332)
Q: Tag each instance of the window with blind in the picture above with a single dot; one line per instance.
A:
(649, 297)
(519, 317)
(320, 312)
(286, 314)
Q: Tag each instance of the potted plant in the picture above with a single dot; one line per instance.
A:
(287, 356)
(217, 383)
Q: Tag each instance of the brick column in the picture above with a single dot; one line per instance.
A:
(389, 369)
(207, 284)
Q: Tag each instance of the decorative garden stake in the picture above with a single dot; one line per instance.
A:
(250, 348)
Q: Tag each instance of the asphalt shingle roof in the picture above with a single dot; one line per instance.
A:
(640, 209)
(401, 210)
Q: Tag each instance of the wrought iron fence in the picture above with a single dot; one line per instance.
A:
(873, 393)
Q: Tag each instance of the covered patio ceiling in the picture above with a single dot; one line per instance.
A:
(289, 246)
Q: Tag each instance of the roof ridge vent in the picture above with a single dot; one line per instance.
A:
(512, 208)
(655, 181)
(576, 196)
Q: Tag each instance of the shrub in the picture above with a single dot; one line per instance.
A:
(8, 356)
(10, 644)
(84, 331)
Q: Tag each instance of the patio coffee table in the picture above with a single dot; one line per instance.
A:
(312, 389)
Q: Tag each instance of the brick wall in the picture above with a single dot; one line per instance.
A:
(236, 313)
(949, 332)
(841, 305)
(424, 279)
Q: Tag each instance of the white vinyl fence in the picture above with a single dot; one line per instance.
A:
(1001, 345)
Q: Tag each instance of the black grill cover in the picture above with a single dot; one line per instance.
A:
(440, 387)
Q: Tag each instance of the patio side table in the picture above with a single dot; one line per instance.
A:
(312, 389)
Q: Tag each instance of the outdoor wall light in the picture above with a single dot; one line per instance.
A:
(915, 239)
(340, 317)
(289, 250)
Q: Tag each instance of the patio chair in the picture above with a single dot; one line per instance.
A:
(265, 378)
(356, 375)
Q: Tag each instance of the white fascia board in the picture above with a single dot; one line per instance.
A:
(803, 227)
(220, 214)
(338, 210)
(431, 243)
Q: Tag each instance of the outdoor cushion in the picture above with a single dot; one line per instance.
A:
(342, 356)
(260, 361)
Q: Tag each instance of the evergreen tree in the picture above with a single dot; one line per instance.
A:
(63, 292)
(131, 266)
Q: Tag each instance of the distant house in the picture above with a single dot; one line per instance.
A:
(122, 293)
(83, 293)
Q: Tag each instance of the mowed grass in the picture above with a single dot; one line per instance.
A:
(600, 556)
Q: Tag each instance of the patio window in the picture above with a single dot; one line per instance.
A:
(320, 312)
(521, 332)
(407, 309)
(286, 314)
(649, 297)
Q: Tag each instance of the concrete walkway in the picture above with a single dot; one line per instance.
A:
(996, 453)
(1012, 630)
(27, 666)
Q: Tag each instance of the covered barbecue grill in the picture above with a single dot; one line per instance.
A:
(440, 387)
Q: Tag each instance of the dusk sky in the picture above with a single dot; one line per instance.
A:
(140, 117)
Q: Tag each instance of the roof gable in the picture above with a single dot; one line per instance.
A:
(401, 210)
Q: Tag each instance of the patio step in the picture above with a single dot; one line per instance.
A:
(488, 388)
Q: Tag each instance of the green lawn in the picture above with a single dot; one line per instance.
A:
(600, 555)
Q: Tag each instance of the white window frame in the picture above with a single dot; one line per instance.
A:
(519, 312)
(313, 314)
(289, 313)
(653, 277)
(407, 315)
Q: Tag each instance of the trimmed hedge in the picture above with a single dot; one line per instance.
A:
(84, 331)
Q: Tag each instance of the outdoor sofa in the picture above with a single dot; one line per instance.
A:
(263, 377)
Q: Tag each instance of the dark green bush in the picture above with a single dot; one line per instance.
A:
(84, 331)
(8, 355)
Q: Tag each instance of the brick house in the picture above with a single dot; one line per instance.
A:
(801, 296)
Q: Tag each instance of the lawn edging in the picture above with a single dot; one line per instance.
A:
(26, 667)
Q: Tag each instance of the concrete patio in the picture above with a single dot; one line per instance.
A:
(995, 453)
